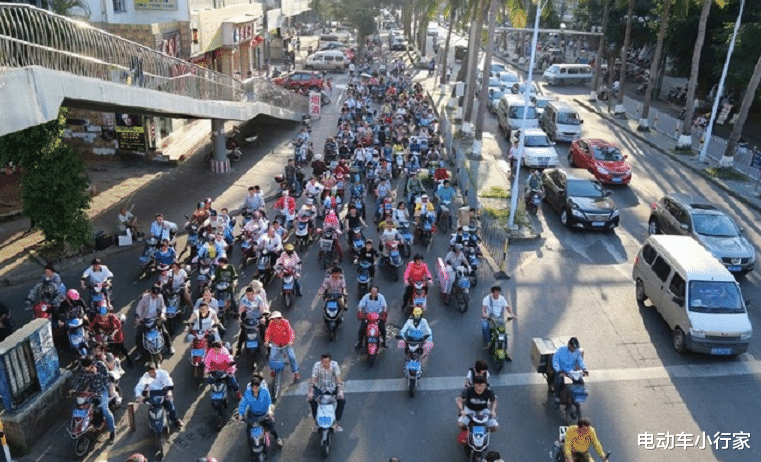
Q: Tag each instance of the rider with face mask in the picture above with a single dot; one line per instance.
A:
(417, 322)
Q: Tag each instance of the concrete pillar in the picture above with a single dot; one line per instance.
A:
(219, 161)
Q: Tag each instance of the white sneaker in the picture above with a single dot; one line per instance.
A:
(171, 350)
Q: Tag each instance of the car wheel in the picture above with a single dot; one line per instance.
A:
(652, 226)
(564, 219)
(639, 291)
(570, 160)
(680, 342)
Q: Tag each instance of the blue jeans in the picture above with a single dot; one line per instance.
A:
(291, 356)
(106, 411)
(485, 331)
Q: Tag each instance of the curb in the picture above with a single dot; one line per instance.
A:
(673, 156)
(11, 216)
(525, 238)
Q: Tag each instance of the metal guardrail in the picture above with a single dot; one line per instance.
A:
(30, 36)
(495, 238)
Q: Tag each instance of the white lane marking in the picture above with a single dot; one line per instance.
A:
(743, 366)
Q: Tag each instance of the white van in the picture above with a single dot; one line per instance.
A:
(561, 121)
(695, 294)
(510, 114)
(327, 60)
(574, 74)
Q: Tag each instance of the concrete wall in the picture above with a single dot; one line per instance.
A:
(152, 35)
(103, 12)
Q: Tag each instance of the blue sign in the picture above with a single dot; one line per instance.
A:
(756, 161)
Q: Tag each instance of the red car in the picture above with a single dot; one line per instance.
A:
(300, 80)
(603, 159)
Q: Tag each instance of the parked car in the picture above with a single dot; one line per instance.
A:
(509, 78)
(581, 201)
(300, 80)
(694, 216)
(399, 44)
(538, 150)
(540, 102)
(603, 159)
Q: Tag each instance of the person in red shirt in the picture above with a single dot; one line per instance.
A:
(109, 325)
(279, 334)
(416, 271)
(218, 358)
(286, 206)
(341, 168)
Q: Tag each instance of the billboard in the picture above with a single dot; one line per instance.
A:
(163, 5)
(130, 132)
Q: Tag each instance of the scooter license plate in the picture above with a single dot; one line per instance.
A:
(478, 430)
(171, 309)
(79, 413)
(419, 301)
(324, 421)
(256, 432)
(287, 286)
(251, 344)
(721, 351)
(197, 352)
(215, 395)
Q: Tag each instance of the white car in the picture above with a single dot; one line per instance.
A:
(519, 88)
(508, 78)
(538, 150)
(541, 101)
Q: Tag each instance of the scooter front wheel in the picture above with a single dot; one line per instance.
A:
(411, 387)
(82, 445)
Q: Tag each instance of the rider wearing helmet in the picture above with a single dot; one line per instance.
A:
(50, 288)
(291, 262)
(417, 323)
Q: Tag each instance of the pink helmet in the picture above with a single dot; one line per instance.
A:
(73, 294)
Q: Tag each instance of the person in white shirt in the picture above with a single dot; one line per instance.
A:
(162, 229)
(158, 380)
(494, 306)
(98, 273)
(126, 221)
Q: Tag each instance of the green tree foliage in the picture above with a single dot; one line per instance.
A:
(53, 181)
(359, 14)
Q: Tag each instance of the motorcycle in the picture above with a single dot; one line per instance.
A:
(332, 315)
(251, 140)
(146, 259)
(247, 248)
(157, 418)
(372, 335)
(357, 240)
(419, 295)
(363, 278)
(252, 343)
(78, 338)
(218, 396)
(444, 216)
(473, 253)
(327, 248)
(288, 288)
(175, 310)
(224, 296)
(398, 167)
(426, 229)
(407, 238)
(461, 289)
(394, 259)
(498, 343)
(264, 267)
(153, 341)
(203, 279)
(232, 150)
(199, 346)
(303, 237)
(278, 357)
(97, 297)
(572, 395)
(413, 352)
(258, 438)
(557, 454)
(533, 201)
(86, 422)
(477, 440)
(325, 418)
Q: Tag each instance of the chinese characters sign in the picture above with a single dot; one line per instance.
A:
(315, 100)
(163, 5)
(720, 441)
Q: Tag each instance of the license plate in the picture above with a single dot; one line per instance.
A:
(171, 309)
(79, 413)
(217, 395)
(478, 430)
(721, 351)
(615, 180)
(251, 344)
(598, 223)
(734, 268)
(197, 352)
(256, 432)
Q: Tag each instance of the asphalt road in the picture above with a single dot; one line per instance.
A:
(566, 283)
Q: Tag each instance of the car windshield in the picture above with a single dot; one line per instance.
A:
(508, 77)
(568, 118)
(495, 67)
(584, 188)
(537, 141)
(715, 297)
(542, 103)
(607, 153)
(714, 225)
(516, 112)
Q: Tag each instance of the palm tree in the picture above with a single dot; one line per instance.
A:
(644, 124)
(620, 110)
(474, 46)
(734, 136)
(492, 15)
(600, 48)
(685, 138)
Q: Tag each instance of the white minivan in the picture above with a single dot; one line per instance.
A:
(510, 114)
(695, 294)
(327, 60)
(574, 74)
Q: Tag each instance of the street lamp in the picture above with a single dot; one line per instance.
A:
(526, 92)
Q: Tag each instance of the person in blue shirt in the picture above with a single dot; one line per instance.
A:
(256, 406)
(166, 255)
(162, 229)
(566, 359)
(446, 193)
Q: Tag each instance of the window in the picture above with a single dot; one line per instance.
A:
(648, 254)
(677, 285)
(573, 71)
(715, 297)
(661, 269)
(329, 59)
(119, 6)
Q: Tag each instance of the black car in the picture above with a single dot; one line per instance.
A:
(580, 199)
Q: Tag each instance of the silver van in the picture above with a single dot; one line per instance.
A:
(574, 74)
(561, 121)
(510, 114)
(327, 60)
(695, 294)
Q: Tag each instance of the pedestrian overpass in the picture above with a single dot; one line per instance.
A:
(48, 61)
